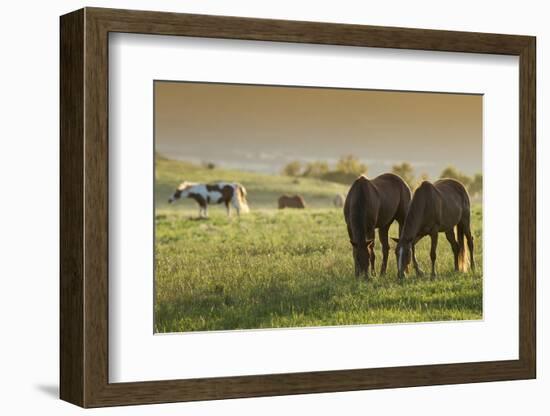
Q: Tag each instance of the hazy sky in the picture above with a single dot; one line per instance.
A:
(262, 128)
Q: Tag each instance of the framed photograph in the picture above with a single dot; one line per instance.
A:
(254, 207)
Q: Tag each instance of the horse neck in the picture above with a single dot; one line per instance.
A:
(414, 218)
(185, 193)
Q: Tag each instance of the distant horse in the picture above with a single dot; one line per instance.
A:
(295, 201)
(372, 204)
(215, 193)
(339, 200)
(435, 208)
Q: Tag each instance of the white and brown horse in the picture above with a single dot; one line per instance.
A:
(215, 193)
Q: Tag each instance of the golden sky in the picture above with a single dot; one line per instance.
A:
(262, 128)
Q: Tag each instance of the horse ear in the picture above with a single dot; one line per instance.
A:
(395, 239)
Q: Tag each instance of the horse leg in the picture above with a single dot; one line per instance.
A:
(433, 251)
(454, 246)
(419, 272)
(383, 236)
(372, 256)
(417, 268)
(460, 239)
(228, 208)
(237, 206)
(470, 241)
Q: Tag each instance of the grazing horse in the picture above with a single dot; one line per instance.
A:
(339, 200)
(215, 193)
(438, 208)
(372, 204)
(295, 201)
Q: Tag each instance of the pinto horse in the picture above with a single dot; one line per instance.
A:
(372, 204)
(216, 193)
(436, 208)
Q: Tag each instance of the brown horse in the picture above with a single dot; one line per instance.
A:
(372, 204)
(295, 201)
(438, 208)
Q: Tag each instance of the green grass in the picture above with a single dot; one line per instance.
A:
(263, 190)
(288, 268)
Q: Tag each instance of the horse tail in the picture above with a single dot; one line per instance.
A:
(239, 199)
(242, 190)
(463, 251)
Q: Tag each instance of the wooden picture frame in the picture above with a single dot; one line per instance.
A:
(84, 207)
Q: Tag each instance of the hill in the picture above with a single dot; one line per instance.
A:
(263, 190)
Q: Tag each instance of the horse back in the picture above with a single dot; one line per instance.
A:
(375, 203)
(455, 201)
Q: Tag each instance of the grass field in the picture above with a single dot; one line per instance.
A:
(288, 268)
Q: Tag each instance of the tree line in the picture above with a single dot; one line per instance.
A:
(346, 170)
(348, 167)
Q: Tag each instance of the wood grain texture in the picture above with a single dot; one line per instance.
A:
(84, 204)
(71, 208)
(225, 27)
(96, 219)
(527, 207)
